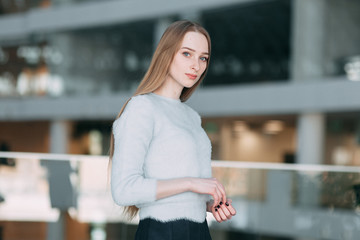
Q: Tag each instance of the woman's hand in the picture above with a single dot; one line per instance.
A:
(221, 212)
(209, 186)
(220, 207)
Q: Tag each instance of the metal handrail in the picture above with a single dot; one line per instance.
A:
(215, 163)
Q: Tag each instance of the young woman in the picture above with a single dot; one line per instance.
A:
(161, 155)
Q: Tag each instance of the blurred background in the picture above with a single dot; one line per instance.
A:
(280, 103)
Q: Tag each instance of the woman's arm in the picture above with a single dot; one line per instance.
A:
(220, 207)
(211, 186)
(133, 133)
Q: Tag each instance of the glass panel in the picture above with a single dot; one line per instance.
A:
(342, 138)
(285, 202)
(21, 179)
(251, 42)
(282, 201)
(253, 138)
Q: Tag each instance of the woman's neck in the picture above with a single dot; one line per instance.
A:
(169, 90)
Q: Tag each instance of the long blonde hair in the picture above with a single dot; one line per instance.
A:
(158, 70)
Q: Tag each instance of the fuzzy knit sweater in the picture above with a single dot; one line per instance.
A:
(159, 138)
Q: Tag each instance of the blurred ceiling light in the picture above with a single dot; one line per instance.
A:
(255, 68)
(52, 55)
(273, 127)
(341, 156)
(352, 68)
(235, 66)
(31, 54)
(131, 61)
(56, 86)
(95, 138)
(218, 67)
(240, 126)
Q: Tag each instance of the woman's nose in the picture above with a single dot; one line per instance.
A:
(196, 65)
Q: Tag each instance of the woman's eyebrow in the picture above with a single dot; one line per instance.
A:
(206, 53)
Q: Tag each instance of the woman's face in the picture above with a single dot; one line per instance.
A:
(190, 61)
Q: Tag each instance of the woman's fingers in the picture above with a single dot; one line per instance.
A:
(216, 191)
(219, 196)
(225, 210)
(221, 188)
(222, 214)
(204, 185)
(216, 215)
(229, 206)
(212, 187)
(219, 214)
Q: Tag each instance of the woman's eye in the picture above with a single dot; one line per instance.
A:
(204, 59)
(186, 54)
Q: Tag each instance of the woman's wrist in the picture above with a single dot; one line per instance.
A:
(170, 187)
(188, 184)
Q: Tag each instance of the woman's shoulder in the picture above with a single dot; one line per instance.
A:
(140, 102)
(139, 108)
(141, 98)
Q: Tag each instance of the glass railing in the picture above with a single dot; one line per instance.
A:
(294, 201)
(287, 201)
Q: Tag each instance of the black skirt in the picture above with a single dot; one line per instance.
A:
(150, 229)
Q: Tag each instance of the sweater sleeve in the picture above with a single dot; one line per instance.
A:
(133, 132)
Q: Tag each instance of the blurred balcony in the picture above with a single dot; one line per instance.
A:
(279, 200)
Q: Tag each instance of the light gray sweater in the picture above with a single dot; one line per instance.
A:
(159, 138)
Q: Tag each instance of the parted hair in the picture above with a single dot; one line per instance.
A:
(158, 71)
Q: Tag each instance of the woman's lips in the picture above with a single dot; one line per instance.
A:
(191, 76)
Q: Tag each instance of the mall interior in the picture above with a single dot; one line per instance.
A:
(280, 104)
